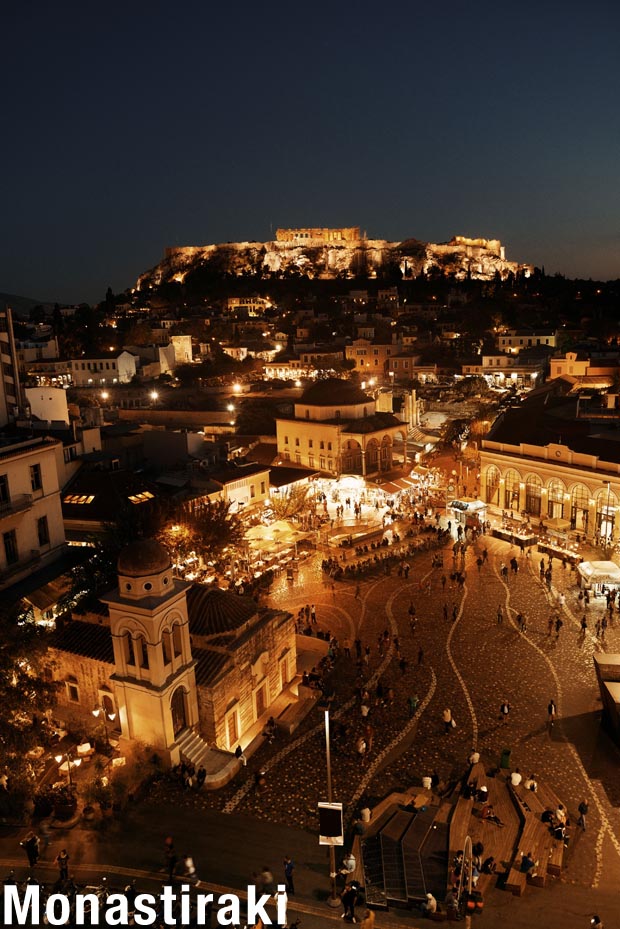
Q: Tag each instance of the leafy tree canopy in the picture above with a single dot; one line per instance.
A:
(25, 690)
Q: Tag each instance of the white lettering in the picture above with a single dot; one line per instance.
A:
(23, 913)
(256, 908)
(117, 910)
(86, 916)
(168, 898)
(53, 918)
(228, 915)
(145, 914)
(204, 903)
(185, 905)
(281, 901)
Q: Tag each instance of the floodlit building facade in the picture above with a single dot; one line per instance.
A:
(31, 524)
(337, 429)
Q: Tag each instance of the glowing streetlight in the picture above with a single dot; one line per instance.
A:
(104, 395)
(99, 709)
(76, 762)
(153, 395)
(236, 388)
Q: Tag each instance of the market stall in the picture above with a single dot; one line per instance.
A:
(599, 576)
(469, 513)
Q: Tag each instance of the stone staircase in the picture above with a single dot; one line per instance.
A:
(194, 748)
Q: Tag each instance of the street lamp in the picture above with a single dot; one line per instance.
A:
(76, 762)
(608, 525)
(154, 395)
(99, 709)
(333, 898)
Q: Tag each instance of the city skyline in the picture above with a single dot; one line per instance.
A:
(134, 131)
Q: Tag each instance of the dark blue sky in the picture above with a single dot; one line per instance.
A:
(132, 126)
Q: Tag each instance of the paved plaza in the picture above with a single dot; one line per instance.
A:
(468, 662)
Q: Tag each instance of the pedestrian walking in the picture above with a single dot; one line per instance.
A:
(62, 860)
(505, 711)
(500, 615)
(289, 868)
(558, 627)
(357, 590)
(170, 857)
(349, 899)
(266, 879)
(31, 846)
(412, 703)
(448, 720)
(583, 812)
(551, 713)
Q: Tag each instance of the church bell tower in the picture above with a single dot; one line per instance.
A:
(154, 677)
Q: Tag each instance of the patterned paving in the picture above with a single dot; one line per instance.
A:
(470, 664)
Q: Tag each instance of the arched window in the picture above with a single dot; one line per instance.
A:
(492, 485)
(166, 644)
(606, 503)
(533, 487)
(177, 639)
(579, 507)
(555, 499)
(141, 651)
(511, 490)
(128, 648)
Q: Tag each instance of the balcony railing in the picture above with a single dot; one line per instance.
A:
(16, 504)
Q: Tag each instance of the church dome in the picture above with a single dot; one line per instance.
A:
(333, 391)
(143, 558)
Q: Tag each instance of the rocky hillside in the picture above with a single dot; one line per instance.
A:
(478, 258)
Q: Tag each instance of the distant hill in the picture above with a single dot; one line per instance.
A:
(324, 257)
(21, 306)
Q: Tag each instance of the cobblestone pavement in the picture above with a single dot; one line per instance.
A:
(470, 664)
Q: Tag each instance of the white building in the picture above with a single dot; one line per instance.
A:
(10, 395)
(31, 522)
(100, 370)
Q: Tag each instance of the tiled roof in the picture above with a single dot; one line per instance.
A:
(333, 391)
(213, 611)
(85, 639)
(543, 419)
(209, 664)
(373, 423)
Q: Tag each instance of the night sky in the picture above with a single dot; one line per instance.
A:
(132, 126)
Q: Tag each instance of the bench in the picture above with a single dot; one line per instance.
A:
(459, 825)
(528, 799)
(537, 839)
(536, 802)
(291, 717)
(516, 882)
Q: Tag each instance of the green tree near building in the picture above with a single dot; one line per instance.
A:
(26, 692)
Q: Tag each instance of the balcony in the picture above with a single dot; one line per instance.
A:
(16, 504)
(27, 563)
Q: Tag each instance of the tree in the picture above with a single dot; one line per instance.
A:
(291, 502)
(26, 691)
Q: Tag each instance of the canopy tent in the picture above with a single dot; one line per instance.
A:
(279, 533)
(557, 524)
(600, 572)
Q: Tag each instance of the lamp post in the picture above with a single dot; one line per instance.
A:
(100, 709)
(70, 761)
(333, 899)
(608, 526)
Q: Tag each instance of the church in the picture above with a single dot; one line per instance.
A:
(187, 669)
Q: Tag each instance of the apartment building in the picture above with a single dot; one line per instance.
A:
(31, 525)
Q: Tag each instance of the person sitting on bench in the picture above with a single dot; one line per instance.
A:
(528, 865)
(487, 814)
